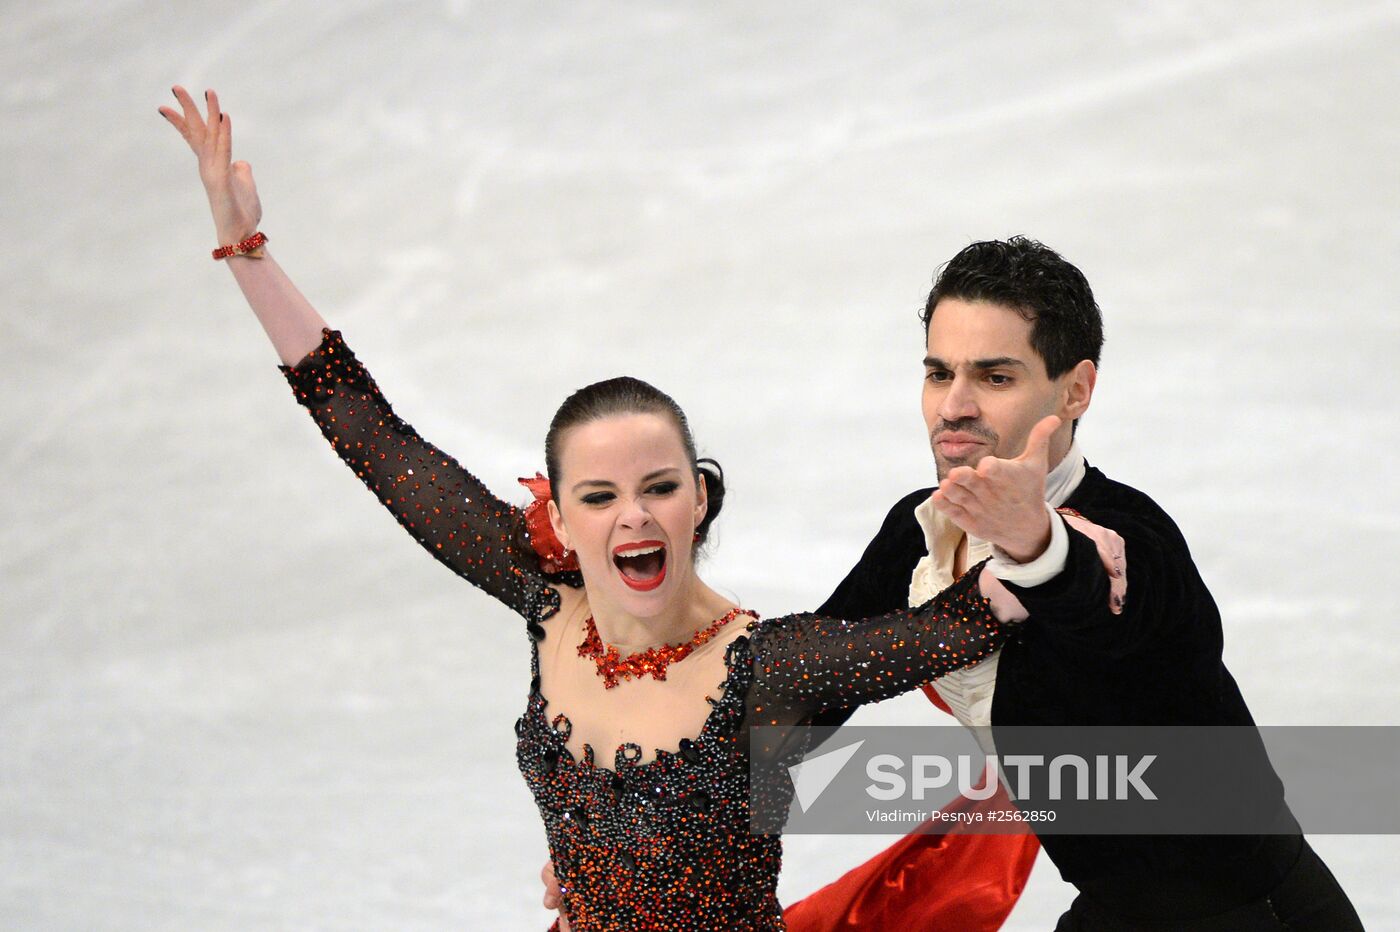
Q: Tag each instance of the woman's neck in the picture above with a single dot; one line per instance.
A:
(695, 606)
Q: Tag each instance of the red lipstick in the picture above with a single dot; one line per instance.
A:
(641, 564)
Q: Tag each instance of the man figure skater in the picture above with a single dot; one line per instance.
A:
(1013, 336)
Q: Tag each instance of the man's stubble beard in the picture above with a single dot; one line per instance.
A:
(982, 432)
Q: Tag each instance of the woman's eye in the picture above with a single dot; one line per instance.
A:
(597, 498)
(664, 488)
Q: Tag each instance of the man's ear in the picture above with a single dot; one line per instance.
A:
(556, 521)
(1079, 390)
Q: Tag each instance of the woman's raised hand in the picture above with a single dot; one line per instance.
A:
(288, 318)
(233, 198)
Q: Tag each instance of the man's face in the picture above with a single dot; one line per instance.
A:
(984, 386)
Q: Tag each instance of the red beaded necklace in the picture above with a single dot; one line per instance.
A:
(651, 662)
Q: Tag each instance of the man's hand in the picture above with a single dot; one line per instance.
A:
(1003, 500)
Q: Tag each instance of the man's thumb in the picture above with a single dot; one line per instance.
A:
(1038, 444)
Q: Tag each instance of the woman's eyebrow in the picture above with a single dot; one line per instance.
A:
(654, 474)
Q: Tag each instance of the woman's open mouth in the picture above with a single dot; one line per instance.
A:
(641, 564)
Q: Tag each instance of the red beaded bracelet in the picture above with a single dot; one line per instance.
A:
(246, 248)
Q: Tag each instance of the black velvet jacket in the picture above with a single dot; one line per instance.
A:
(1073, 662)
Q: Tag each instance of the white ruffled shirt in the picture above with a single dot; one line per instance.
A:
(968, 691)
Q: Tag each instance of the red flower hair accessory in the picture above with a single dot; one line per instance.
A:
(546, 545)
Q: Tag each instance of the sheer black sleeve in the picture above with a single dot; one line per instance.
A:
(444, 507)
(804, 664)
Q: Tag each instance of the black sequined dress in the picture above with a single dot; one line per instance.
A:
(663, 844)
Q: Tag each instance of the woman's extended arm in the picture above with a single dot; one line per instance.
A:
(443, 506)
(290, 321)
(806, 663)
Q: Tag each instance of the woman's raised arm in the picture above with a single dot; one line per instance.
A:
(443, 506)
(291, 323)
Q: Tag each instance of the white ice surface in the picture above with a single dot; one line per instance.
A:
(234, 696)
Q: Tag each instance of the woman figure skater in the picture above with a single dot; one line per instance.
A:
(628, 643)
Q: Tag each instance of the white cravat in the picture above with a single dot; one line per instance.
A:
(968, 691)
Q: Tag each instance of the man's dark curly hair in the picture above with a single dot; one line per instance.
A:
(1037, 283)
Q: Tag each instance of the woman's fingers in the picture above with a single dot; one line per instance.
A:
(202, 137)
(193, 121)
(223, 149)
(175, 120)
(211, 101)
(219, 130)
(1113, 553)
